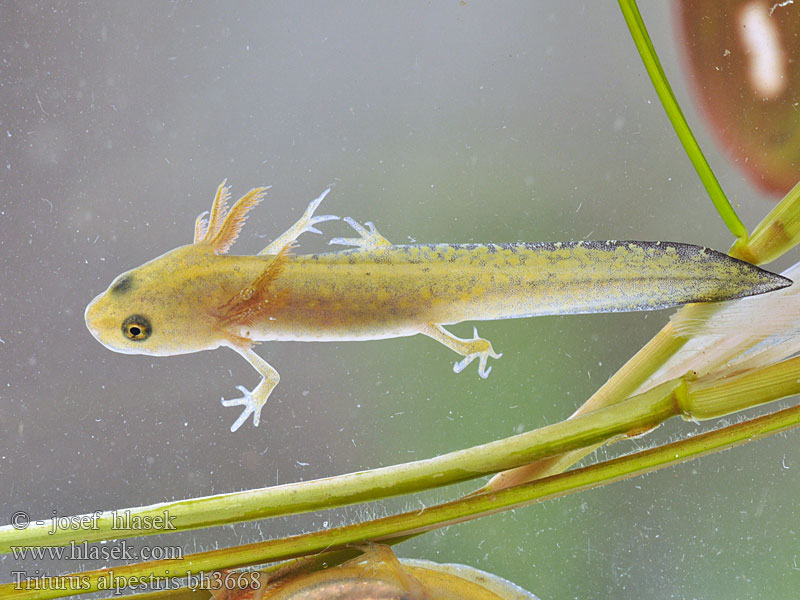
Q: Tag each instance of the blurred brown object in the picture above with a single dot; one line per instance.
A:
(744, 58)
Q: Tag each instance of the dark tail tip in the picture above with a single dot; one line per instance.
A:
(773, 282)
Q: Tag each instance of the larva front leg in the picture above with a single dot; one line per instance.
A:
(253, 401)
(305, 223)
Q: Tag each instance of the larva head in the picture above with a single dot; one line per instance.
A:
(166, 306)
(157, 308)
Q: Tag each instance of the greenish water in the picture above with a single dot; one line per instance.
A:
(444, 123)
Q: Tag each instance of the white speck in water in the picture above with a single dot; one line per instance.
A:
(40, 105)
(780, 5)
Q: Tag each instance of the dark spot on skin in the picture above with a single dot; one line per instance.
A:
(123, 285)
(136, 328)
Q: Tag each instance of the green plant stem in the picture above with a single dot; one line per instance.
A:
(713, 397)
(442, 515)
(777, 233)
(681, 396)
(650, 59)
(769, 237)
(701, 398)
(621, 385)
(643, 412)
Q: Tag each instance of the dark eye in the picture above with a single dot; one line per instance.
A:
(136, 328)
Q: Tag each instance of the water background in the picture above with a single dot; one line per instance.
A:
(443, 122)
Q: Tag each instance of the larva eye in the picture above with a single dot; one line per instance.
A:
(136, 328)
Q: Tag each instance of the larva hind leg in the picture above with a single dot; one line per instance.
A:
(370, 238)
(477, 347)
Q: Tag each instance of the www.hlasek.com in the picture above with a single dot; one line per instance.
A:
(152, 582)
(105, 552)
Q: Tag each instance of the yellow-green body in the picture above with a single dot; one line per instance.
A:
(391, 291)
(196, 297)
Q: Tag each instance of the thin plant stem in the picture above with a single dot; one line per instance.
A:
(691, 398)
(650, 59)
(645, 411)
(621, 385)
(427, 519)
(777, 233)
(631, 416)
